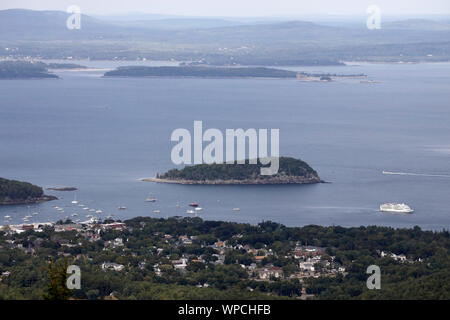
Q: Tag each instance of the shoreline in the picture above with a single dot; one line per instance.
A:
(274, 181)
(44, 198)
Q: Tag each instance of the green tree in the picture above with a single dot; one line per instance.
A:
(57, 288)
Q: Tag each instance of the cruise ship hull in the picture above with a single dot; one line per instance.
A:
(397, 211)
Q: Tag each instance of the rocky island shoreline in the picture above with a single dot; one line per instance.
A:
(277, 180)
(44, 198)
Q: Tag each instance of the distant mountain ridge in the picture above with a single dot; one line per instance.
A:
(44, 34)
(23, 23)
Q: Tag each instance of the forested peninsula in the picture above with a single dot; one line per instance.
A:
(25, 70)
(17, 192)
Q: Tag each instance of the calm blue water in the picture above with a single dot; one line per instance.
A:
(103, 135)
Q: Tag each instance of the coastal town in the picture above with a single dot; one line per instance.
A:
(304, 261)
(189, 258)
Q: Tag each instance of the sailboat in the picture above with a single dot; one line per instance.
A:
(75, 199)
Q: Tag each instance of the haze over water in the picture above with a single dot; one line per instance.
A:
(103, 134)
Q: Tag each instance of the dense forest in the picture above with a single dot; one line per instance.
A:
(197, 71)
(147, 247)
(17, 190)
(24, 70)
(289, 167)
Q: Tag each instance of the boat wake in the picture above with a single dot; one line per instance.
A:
(341, 208)
(416, 174)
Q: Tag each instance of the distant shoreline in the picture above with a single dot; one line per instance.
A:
(44, 198)
(354, 63)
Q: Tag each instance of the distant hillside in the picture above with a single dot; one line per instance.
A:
(418, 24)
(213, 41)
(175, 23)
(291, 171)
(33, 25)
(16, 192)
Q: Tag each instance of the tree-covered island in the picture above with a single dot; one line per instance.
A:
(25, 70)
(291, 171)
(17, 192)
(200, 71)
(216, 72)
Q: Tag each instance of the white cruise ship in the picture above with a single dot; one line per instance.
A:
(396, 207)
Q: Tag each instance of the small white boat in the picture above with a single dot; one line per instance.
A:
(81, 205)
(74, 214)
(99, 211)
(35, 213)
(85, 208)
(151, 199)
(156, 211)
(75, 199)
(236, 209)
(198, 209)
(122, 208)
(7, 217)
(190, 211)
(91, 210)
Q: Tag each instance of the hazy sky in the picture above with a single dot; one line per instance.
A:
(238, 7)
